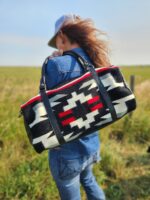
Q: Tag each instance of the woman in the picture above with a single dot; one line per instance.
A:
(71, 163)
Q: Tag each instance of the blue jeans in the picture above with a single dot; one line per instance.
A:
(68, 173)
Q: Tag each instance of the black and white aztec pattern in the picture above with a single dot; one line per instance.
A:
(78, 107)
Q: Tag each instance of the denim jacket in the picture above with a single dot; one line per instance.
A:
(60, 69)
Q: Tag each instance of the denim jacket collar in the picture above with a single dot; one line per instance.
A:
(78, 50)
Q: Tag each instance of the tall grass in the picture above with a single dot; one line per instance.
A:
(124, 169)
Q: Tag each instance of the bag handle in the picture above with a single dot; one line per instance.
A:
(79, 58)
(51, 117)
(87, 67)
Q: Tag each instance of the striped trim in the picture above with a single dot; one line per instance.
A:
(86, 75)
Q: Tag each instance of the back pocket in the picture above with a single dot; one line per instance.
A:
(69, 168)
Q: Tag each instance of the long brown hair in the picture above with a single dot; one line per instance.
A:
(88, 37)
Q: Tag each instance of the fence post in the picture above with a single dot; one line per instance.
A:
(132, 84)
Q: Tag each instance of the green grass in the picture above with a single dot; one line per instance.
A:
(123, 173)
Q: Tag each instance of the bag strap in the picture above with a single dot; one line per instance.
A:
(51, 116)
(79, 58)
(87, 67)
(103, 93)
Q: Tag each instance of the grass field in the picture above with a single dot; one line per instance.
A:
(123, 173)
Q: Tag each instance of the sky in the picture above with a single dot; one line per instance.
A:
(27, 25)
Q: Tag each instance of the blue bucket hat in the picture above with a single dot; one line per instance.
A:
(58, 25)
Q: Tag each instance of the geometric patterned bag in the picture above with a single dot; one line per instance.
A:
(77, 107)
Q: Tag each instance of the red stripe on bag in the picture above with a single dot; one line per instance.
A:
(86, 75)
(94, 99)
(96, 107)
(68, 121)
(67, 112)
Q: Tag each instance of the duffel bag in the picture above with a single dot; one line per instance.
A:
(77, 107)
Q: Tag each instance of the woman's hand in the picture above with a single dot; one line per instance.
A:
(56, 53)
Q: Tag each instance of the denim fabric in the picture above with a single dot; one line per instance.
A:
(68, 173)
(61, 69)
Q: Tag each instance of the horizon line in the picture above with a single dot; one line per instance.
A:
(38, 66)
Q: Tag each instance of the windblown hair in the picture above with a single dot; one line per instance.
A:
(91, 39)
